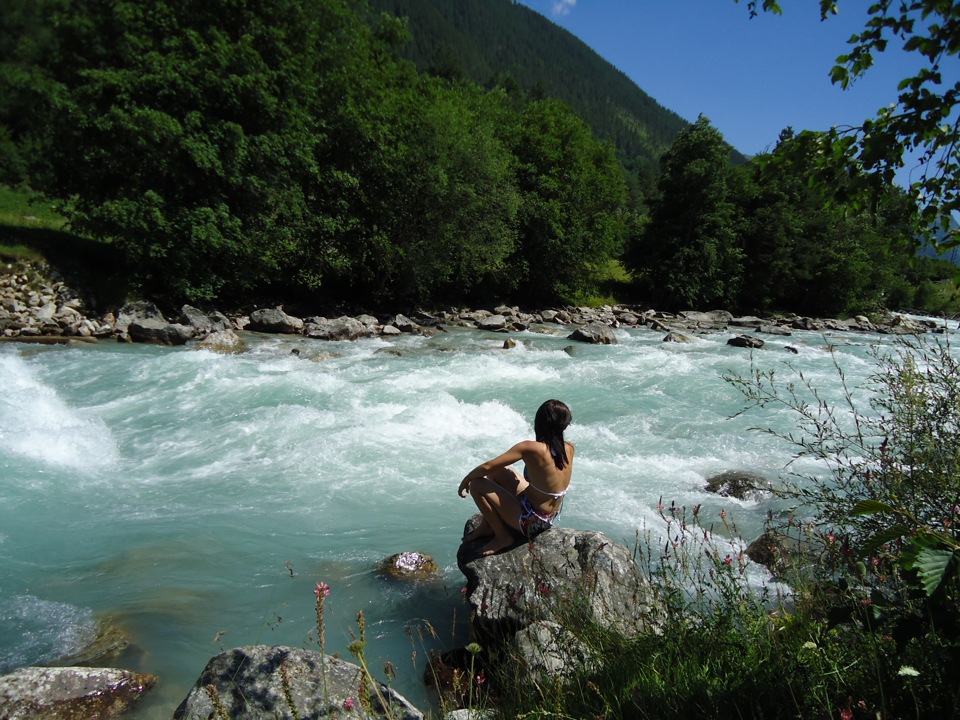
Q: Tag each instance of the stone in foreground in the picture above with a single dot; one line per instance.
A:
(70, 693)
(260, 681)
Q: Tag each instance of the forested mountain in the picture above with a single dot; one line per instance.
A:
(500, 41)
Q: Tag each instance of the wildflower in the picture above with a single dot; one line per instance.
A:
(831, 538)
(322, 589)
(473, 648)
(480, 679)
(846, 714)
(727, 560)
(908, 671)
(348, 704)
(463, 590)
(809, 645)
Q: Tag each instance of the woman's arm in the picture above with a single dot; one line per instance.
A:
(501, 461)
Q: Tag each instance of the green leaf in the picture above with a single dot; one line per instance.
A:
(881, 538)
(871, 507)
(931, 565)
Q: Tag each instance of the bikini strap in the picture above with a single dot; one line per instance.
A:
(544, 492)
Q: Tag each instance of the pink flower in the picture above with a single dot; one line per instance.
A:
(846, 714)
(480, 679)
(831, 538)
(348, 704)
(321, 589)
(728, 560)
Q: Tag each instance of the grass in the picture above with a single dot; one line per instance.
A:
(32, 230)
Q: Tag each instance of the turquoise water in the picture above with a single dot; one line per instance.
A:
(195, 499)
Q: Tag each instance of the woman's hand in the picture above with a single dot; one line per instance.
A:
(464, 487)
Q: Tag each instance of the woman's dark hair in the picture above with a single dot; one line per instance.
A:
(551, 420)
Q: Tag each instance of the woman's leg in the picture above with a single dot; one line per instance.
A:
(510, 480)
(501, 513)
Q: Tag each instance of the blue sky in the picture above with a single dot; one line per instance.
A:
(750, 77)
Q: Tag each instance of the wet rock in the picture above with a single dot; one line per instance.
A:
(675, 337)
(226, 342)
(409, 566)
(745, 341)
(594, 335)
(740, 484)
(70, 693)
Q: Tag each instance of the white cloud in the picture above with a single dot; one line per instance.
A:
(563, 7)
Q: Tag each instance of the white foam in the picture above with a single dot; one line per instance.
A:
(36, 423)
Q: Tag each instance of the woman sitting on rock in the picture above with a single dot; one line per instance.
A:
(528, 503)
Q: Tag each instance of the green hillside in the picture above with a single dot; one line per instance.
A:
(500, 41)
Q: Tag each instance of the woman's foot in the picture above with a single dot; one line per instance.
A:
(496, 545)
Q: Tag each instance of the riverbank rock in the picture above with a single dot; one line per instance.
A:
(341, 328)
(70, 693)
(408, 566)
(274, 320)
(260, 681)
(526, 599)
(203, 323)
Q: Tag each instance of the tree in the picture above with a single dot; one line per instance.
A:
(688, 254)
(572, 215)
(444, 197)
(209, 141)
(924, 118)
(810, 256)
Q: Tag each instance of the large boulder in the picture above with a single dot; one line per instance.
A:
(341, 328)
(260, 681)
(274, 320)
(203, 323)
(137, 311)
(712, 317)
(594, 334)
(70, 693)
(522, 599)
(159, 332)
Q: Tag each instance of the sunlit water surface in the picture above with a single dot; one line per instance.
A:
(195, 499)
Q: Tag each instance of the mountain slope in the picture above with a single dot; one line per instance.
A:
(489, 41)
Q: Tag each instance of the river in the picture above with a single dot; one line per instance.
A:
(193, 500)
